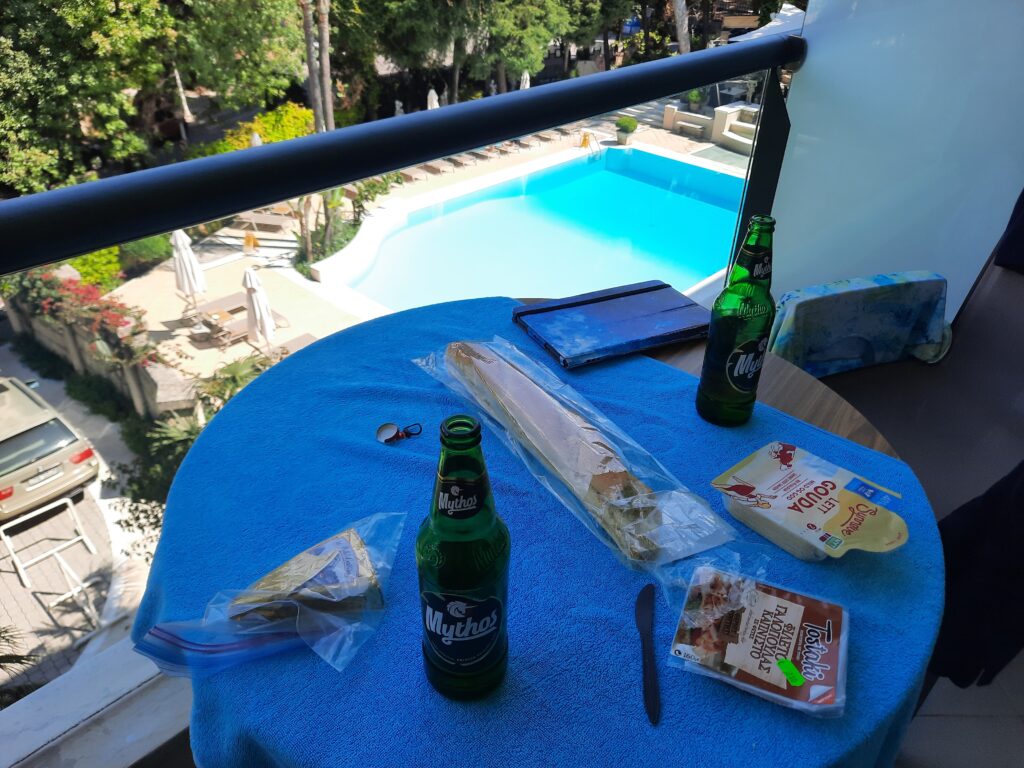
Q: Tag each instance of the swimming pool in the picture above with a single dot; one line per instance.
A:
(593, 222)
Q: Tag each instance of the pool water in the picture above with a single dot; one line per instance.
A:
(594, 222)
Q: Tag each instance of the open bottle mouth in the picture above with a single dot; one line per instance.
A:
(765, 223)
(460, 431)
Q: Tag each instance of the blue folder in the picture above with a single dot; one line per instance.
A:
(616, 321)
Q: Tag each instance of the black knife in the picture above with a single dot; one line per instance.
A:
(645, 625)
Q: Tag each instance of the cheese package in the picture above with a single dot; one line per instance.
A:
(780, 645)
(810, 507)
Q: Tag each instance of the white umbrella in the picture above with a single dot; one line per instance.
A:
(255, 140)
(432, 102)
(524, 81)
(260, 319)
(188, 275)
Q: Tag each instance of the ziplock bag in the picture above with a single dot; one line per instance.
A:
(767, 640)
(329, 597)
(618, 490)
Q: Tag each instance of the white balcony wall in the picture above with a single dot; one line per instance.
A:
(906, 149)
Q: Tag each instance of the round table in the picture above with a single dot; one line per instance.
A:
(292, 459)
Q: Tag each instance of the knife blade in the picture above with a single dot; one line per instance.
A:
(645, 625)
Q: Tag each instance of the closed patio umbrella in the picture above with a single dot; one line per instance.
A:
(524, 81)
(432, 102)
(188, 275)
(260, 319)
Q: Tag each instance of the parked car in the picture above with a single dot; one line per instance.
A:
(42, 457)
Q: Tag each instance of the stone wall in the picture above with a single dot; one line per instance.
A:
(153, 389)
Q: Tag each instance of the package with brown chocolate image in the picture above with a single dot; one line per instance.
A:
(781, 645)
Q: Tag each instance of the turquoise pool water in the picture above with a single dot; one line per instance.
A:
(594, 222)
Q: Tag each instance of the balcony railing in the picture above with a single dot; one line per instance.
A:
(83, 218)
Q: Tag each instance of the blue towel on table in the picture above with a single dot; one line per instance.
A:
(848, 324)
(293, 458)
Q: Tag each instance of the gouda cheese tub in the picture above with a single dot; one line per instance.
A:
(810, 507)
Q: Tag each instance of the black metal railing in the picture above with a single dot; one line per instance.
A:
(49, 226)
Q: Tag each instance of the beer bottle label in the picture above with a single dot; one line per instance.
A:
(743, 367)
(459, 498)
(462, 633)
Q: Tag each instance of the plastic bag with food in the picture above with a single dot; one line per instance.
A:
(770, 641)
(329, 597)
(615, 487)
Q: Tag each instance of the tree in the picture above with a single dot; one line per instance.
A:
(583, 24)
(248, 52)
(323, 10)
(518, 33)
(613, 13)
(765, 9)
(682, 18)
(70, 75)
(312, 78)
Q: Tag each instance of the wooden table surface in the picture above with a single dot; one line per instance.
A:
(790, 389)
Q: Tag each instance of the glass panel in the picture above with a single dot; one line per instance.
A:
(138, 350)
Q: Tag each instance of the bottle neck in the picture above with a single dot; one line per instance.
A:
(462, 490)
(754, 261)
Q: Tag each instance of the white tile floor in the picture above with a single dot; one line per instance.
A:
(978, 727)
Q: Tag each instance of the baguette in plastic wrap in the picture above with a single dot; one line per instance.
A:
(615, 487)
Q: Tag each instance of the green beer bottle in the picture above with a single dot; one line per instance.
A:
(741, 321)
(462, 553)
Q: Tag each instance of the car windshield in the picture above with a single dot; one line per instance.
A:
(33, 444)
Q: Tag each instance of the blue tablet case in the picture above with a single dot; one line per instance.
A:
(616, 321)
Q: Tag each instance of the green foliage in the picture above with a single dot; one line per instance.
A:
(637, 47)
(341, 234)
(626, 124)
(369, 190)
(694, 96)
(70, 74)
(765, 9)
(100, 268)
(41, 360)
(99, 395)
(228, 380)
(140, 256)
(585, 20)
(248, 52)
(160, 447)
(518, 32)
(288, 121)
(11, 659)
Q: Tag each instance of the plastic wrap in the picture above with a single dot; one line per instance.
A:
(611, 484)
(781, 645)
(329, 597)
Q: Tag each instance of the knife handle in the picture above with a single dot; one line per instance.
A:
(652, 697)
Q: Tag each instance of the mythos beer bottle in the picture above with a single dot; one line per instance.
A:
(741, 321)
(462, 553)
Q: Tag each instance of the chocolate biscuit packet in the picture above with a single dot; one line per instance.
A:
(777, 644)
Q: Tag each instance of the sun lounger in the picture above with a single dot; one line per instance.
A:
(438, 167)
(462, 160)
(528, 142)
(485, 153)
(264, 222)
(413, 174)
(546, 136)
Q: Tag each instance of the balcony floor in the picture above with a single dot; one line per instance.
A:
(960, 425)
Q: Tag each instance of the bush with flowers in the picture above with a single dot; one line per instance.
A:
(118, 332)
